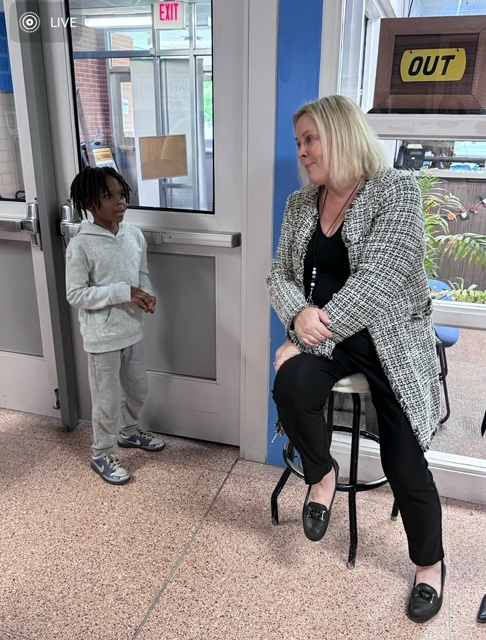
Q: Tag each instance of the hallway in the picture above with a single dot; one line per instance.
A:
(187, 551)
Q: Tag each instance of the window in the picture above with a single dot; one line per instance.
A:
(148, 111)
(11, 179)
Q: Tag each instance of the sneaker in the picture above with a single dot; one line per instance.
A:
(110, 469)
(142, 440)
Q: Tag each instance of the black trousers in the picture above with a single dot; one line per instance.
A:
(301, 389)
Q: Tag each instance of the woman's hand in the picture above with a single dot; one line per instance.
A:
(311, 324)
(285, 352)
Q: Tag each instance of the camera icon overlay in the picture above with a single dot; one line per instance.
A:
(47, 24)
(29, 22)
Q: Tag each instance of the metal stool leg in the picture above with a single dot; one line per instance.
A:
(276, 492)
(443, 375)
(353, 480)
(353, 530)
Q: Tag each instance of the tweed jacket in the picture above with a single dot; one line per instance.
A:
(387, 291)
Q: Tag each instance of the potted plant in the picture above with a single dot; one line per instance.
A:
(441, 207)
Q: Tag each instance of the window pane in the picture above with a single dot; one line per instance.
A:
(456, 173)
(203, 26)
(174, 38)
(466, 372)
(11, 179)
(148, 112)
(428, 8)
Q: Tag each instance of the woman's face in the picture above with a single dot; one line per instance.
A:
(310, 150)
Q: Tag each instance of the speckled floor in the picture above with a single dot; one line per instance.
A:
(187, 551)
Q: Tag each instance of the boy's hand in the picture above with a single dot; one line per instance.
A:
(144, 300)
(153, 301)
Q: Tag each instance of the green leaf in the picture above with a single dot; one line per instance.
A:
(437, 204)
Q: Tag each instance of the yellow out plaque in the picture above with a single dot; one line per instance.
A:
(433, 65)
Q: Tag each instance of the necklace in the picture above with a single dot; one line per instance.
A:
(315, 251)
(348, 200)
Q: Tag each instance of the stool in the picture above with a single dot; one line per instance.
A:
(354, 385)
(444, 340)
(446, 337)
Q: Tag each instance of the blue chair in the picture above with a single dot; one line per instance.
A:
(446, 337)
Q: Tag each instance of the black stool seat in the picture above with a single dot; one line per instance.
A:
(354, 385)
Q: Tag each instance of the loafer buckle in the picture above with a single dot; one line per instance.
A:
(317, 514)
(425, 595)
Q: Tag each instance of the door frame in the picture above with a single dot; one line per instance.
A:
(27, 58)
(52, 130)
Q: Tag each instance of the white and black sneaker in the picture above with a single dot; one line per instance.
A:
(142, 440)
(110, 469)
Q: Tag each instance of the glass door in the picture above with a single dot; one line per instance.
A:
(133, 86)
(35, 362)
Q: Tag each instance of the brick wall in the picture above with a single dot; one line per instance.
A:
(92, 81)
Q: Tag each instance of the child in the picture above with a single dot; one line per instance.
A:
(107, 279)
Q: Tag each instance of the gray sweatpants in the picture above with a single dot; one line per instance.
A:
(119, 385)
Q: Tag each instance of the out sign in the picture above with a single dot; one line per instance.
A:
(169, 15)
(433, 65)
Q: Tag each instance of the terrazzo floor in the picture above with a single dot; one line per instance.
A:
(187, 551)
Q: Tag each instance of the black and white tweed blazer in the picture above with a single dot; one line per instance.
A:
(387, 291)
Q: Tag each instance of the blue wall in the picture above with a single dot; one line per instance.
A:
(298, 70)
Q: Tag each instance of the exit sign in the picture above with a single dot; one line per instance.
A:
(169, 15)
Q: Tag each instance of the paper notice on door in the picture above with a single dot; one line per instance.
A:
(163, 157)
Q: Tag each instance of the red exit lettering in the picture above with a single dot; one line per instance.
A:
(169, 11)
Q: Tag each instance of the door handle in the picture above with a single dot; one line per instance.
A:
(222, 239)
(29, 224)
(70, 222)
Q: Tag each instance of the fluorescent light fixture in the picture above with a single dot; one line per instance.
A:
(119, 21)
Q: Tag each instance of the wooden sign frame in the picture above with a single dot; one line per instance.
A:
(399, 34)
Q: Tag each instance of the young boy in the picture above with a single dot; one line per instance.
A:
(107, 279)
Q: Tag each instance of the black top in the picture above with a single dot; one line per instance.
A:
(330, 257)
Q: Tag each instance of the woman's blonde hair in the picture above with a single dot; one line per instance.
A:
(353, 148)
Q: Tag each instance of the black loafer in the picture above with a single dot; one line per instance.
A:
(482, 611)
(315, 516)
(424, 601)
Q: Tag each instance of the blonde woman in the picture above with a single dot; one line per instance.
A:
(348, 283)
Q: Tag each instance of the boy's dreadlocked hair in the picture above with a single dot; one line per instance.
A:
(90, 184)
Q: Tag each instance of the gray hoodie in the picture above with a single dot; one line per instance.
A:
(101, 268)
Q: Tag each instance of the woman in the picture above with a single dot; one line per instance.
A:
(348, 283)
